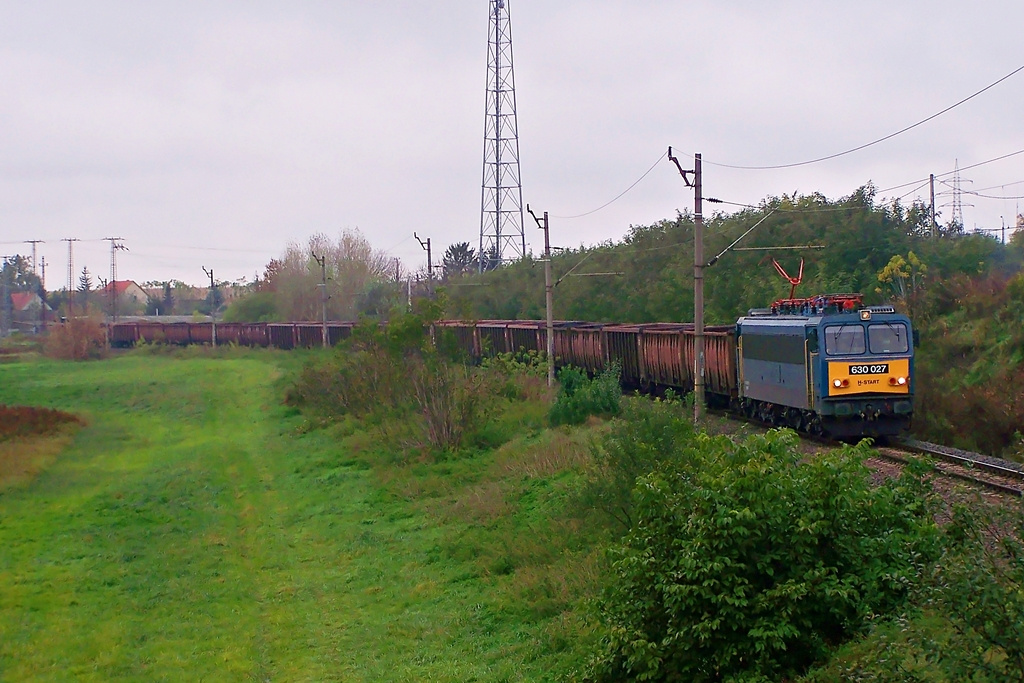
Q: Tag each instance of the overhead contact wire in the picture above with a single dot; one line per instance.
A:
(873, 142)
(621, 194)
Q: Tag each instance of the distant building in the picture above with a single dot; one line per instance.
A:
(23, 302)
(126, 291)
(130, 297)
(27, 309)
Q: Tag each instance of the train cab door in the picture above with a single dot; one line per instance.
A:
(812, 354)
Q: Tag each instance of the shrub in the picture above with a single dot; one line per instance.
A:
(391, 376)
(254, 308)
(745, 563)
(970, 624)
(451, 399)
(647, 434)
(77, 339)
(979, 587)
(579, 397)
(520, 376)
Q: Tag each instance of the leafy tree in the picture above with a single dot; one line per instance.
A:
(352, 264)
(254, 308)
(902, 278)
(271, 274)
(17, 271)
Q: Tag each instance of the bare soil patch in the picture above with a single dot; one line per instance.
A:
(23, 421)
(30, 440)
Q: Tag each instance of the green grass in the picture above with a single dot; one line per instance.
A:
(194, 530)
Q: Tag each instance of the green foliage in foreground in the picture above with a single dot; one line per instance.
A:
(197, 528)
(579, 396)
(649, 434)
(393, 376)
(968, 619)
(745, 563)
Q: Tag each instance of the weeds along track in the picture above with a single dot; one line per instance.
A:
(995, 474)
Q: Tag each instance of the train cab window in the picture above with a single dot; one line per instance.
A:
(888, 338)
(844, 340)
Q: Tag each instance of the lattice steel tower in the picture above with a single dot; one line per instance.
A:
(501, 204)
(958, 206)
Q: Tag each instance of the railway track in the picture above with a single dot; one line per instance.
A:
(1001, 476)
(995, 474)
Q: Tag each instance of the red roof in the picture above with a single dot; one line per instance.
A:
(22, 300)
(120, 286)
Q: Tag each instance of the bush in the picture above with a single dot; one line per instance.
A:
(452, 401)
(257, 307)
(391, 376)
(970, 624)
(648, 434)
(579, 397)
(745, 563)
(77, 339)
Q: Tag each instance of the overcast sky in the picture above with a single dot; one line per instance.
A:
(214, 133)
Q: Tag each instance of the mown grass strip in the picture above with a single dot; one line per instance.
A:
(191, 530)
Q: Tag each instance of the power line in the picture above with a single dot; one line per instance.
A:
(873, 142)
(620, 195)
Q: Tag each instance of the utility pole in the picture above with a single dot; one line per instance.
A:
(430, 263)
(213, 303)
(5, 300)
(71, 274)
(931, 186)
(115, 245)
(34, 243)
(548, 295)
(322, 262)
(698, 281)
(44, 303)
(42, 286)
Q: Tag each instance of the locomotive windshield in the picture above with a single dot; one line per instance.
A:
(888, 338)
(844, 340)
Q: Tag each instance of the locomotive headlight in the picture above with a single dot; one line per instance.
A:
(902, 381)
(837, 383)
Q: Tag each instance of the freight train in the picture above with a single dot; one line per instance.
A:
(826, 364)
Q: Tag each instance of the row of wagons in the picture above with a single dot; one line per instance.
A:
(278, 335)
(648, 355)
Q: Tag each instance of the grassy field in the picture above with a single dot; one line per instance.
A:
(194, 529)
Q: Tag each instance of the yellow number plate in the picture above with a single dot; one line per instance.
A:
(870, 377)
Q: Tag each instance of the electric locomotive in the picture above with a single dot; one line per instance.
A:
(827, 365)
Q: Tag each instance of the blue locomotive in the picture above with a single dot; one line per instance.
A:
(828, 365)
